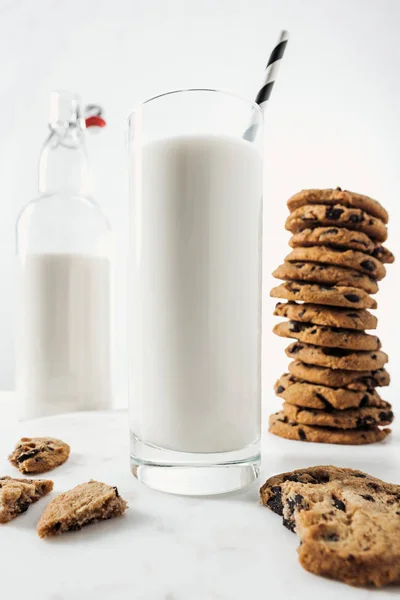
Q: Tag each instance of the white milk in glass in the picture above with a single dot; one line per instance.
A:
(64, 333)
(196, 287)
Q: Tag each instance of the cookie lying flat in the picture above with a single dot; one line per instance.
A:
(39, 455)
(308, 217)
(321, 335)
(349, 297)
(311, 395)
(16, 495)
(352, 418)
(351, 259)
(354, 380)
(85, 504)
(282, 426)
(337, 358)
(325, 274)
(325, 315)
(339, 237)
(339, 196)
(348, 522)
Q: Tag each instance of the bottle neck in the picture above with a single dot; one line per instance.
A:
(63, 164)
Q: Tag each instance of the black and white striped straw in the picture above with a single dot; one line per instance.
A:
(271, 72)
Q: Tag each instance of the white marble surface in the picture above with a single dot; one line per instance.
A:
(166, 547)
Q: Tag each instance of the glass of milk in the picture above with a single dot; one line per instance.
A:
(195, 292)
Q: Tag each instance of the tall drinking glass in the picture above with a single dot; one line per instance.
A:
(195, 292)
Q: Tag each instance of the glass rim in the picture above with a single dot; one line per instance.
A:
(253, 104)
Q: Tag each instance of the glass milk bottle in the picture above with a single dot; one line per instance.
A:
(64, 251)
(195, 292)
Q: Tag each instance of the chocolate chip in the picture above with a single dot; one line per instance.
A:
(302, 313)
(356, 218)
(352, 297)
(338, 189)
(386, 416)
(364, 401)
(295, 348)
(371, 222)
(116, 490)
(338, 503)
(377, 252)
(368, 497)
(22, 457)
(326, 288)
(292, 478)
(331, 230)
(295, 327)
(289, 524)
(331, 537)
(280, 389)
(353, 315)
(368, 265)
(293, 289)
(365, 421)
(57, 526)
(359, 475)
(374, 486)
(275, 501)
(302, 434)
(23, 506)
(338, 352)
(327, 405)
(75, 527)
(333, 213)
(374, 357)
(298, 499)
(291, 504)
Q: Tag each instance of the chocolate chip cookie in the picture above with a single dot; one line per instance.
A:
(338, 196)
(337, 358)
(354, 380)
(330, 295)
(282, 426)
(325, 274)
(310, 216)
(331, 337)
(85, 504)
(324, 315)
(16, 495)
(348, 522)
(339, 237)
(39, 455)
(352, 259)
(311, 395)
(351, 418)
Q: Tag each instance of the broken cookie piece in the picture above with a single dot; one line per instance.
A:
(348, 522)
(16, 495)
(85, 504)
(39, 455)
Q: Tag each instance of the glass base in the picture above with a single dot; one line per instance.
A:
(191, 474)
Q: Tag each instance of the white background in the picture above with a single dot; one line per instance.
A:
(333, 118)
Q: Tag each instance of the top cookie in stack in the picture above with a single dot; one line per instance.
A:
(336, 262)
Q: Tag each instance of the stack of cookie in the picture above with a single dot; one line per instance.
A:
(337, 260)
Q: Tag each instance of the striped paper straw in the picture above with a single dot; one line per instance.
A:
(271, 72)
